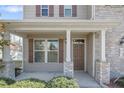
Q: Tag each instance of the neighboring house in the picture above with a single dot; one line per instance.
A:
(16, 48)
(69, 38)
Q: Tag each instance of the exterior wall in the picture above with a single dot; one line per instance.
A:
(90, 54)
(83, 12)
(89, 11)
(97, 46)
(113, 36)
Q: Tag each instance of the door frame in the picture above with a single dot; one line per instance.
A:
(85, 51)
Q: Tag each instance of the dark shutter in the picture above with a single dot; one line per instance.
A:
(61, 50)
(51, 10)
(74, 10)
(30, 50)
(61, 10)
(37, 10)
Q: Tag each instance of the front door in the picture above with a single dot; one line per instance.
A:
(78, 54)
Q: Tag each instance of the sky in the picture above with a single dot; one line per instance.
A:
(11, 12)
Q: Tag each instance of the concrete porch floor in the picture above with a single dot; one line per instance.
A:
(84, 80)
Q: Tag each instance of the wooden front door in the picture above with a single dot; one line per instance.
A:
(78, 54)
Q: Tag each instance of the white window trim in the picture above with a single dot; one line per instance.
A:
(44, 8)
(64, 11)
(46, 50)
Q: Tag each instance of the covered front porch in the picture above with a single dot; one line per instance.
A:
(82, 48)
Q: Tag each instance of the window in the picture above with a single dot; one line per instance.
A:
(52, 46)
(78, 41)
(44, 10)
(39, 50)
(46, 50)
(68, 10)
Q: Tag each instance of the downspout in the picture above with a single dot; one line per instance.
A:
(93, 12)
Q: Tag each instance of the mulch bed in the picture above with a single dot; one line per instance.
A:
(113, 85)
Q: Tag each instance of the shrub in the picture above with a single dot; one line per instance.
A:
(62, 82)
(57, 82)
(120, 82)
(6, 81)
(29, 83)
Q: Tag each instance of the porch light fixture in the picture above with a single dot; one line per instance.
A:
(109, 6)
(122, 40)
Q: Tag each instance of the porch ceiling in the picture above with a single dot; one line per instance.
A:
(48, 33)
(52, 24)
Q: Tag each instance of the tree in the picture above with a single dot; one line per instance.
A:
(2, 41)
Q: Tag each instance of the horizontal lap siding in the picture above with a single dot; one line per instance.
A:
(82, 12)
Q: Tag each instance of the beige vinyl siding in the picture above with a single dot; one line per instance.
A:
(82, 12)
(90, 54)
(89, 12)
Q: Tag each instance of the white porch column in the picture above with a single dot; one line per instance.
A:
(102, 45)
(68, 46)
(102, 67)
(9, 65)
(68, 64)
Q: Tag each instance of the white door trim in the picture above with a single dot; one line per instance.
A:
(85, 52)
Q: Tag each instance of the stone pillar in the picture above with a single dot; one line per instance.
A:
(9, 71)
(102, 72)
(102, 67)
(68, 64)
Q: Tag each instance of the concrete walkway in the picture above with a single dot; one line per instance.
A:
(84, 80)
